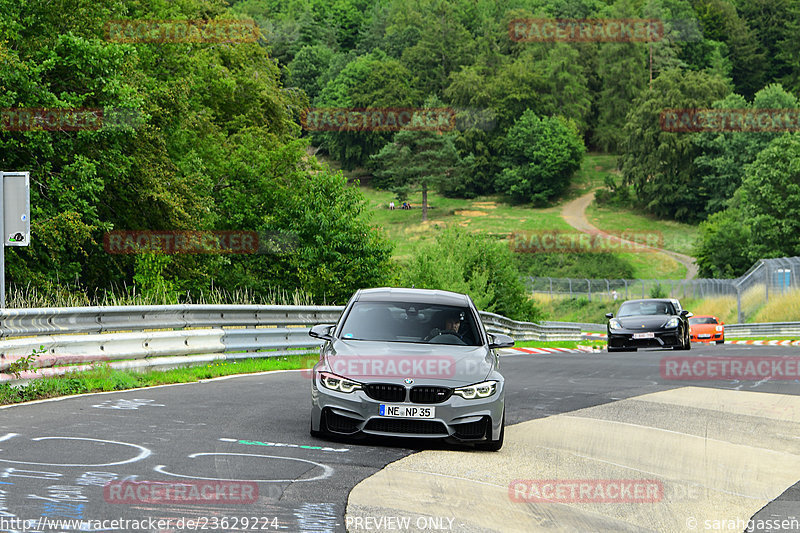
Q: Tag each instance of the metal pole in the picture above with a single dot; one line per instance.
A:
(740, 315)
(589, 285)
(2, 243)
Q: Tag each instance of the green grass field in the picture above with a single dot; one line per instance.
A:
(671, 235)
(487, 215)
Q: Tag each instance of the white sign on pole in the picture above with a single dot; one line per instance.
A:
(16, 208)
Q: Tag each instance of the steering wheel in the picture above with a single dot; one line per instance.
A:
(444, 337)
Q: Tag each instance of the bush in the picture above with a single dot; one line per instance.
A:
(472, 264)
(574, 265)
(657, 291)
(540, 157)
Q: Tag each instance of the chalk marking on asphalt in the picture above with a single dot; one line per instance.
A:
(143, 453)
(327, 471)
(284, 445)
(8, 436)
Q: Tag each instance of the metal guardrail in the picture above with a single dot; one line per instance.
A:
(769, 329)
(178, 335)
(583, 326)
(528, 331)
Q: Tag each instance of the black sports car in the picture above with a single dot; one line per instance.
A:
(650, 323)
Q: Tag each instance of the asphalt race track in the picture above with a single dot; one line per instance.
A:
(722, 452)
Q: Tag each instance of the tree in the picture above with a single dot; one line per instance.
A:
(369, 81)
(660, 164)
(307, 67)
(724, 155)
(769, 199)
(623, 75)
(472, 264)
(417, 160)
(540, 156)
(722, 249)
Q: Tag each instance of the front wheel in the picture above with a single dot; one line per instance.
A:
(494, 445)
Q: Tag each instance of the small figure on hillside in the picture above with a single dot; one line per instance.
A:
(614, 294)
(391, 205)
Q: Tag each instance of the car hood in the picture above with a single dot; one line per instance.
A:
(395, 362)
(644, 321)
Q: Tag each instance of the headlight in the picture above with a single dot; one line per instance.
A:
(339, 384)
(479, 390)
(720, 328)
(614, 324)
(672, 323)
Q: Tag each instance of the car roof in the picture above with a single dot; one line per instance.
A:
(703, 316)
(399, 294)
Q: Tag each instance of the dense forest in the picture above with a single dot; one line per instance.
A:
(219, 144)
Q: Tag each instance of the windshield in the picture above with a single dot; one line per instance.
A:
(702, 320)
(410, 322)
(646, 308)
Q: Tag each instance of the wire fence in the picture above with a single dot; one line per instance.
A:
(768, 278)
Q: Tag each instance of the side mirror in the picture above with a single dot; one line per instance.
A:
(609, 315)
(322, 331)
(686, 313)
(498, 340)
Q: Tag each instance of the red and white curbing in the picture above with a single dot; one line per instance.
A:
(767, 343)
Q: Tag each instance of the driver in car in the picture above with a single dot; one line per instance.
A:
(452, 323)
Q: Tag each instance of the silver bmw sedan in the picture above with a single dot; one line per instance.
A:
(409, 363)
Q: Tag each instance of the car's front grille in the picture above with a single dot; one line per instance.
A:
(430, 394)
(384, 392)
(472, 430)
(411, 427)
(338, 423)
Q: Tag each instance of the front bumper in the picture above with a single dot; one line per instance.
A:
(718, 336)
(662, 338)
(456, 419)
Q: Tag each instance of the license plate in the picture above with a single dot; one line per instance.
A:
(704, 336)
(407, 411)
(648, 335)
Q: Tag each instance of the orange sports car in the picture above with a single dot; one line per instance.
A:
(706, 328)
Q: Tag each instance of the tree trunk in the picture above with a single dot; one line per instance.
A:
(424, 201)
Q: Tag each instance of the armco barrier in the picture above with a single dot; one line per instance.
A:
(167, 336)
(768, 329)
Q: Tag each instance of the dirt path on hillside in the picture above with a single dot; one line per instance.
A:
(574, 213)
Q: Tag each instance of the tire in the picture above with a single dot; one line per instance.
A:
(494, 445)
(721, 341)
(622, 349)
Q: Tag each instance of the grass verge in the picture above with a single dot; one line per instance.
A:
(103, 378)
(558, 344)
